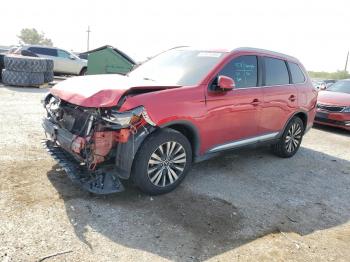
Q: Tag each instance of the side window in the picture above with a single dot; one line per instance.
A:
(244, 70)
(63, 54)
(276, 72)
(297, 74)
(43, 51)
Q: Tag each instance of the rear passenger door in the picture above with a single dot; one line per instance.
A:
(279, 95)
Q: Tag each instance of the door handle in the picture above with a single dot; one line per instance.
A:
(292, 98)
(255, 102)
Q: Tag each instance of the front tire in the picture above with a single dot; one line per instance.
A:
(291, 139)
(162, 162)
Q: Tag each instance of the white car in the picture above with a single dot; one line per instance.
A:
(64, 61)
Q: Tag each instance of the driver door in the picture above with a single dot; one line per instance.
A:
(235, 115)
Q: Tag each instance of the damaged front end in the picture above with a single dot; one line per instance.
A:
(95, 146)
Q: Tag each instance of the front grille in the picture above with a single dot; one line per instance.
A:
(74, 120)
(330, 108)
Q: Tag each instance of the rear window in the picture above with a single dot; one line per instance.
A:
(297, 74)
(276, 72)
(43, 51)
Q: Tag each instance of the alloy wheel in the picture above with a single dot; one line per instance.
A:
(293, 137)
(166, 164)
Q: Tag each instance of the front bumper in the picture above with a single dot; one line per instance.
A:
(341, 120)
(101, 181)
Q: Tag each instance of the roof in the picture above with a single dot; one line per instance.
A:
(44, 46)
(125, 56)
(264, 51)
(240, 49)
(204, 49)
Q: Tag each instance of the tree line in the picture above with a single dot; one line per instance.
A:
(340, 74)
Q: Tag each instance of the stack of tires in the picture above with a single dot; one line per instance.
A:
(1, 63)
(27, 71)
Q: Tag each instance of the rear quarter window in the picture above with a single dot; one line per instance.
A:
(276, 72)
(297, 74)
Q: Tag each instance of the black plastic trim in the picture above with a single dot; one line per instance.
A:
(125, 152)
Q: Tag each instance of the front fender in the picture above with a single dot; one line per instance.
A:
(125, 152)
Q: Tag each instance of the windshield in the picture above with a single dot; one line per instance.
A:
(178, 67)
(340, 86)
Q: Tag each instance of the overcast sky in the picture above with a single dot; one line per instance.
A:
(316, 32)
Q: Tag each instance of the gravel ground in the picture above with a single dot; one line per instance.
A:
(244, 205)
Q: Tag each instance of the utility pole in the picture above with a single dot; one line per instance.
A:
(346, 63)
(88, 38)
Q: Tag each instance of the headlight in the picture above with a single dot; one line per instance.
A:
(124, 119)
(346, 110)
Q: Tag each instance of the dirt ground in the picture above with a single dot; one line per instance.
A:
(242, 206)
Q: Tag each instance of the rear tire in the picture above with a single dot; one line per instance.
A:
(49, 65)
(162, 162)
(48, 76)
(14, 78)
(83, 71)
(290, 141)
(25, 64)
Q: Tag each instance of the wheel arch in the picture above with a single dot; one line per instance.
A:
(301, 114)
(82, 69)
(189, 130)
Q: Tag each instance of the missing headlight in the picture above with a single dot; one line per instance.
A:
(124, 119)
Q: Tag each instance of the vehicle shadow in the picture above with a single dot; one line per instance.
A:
(335, 130)
(224, 202)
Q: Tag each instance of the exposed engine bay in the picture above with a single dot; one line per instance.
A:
(94, 136)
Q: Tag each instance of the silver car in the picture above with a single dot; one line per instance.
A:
(64, 61)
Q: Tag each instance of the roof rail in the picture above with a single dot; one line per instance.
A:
(252, 49)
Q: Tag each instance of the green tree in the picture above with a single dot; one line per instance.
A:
(330, 75)
(32, 37)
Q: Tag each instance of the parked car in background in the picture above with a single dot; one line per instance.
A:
(323, 84)
(316, 83)
(328, 83)
(65, 62)
(4, 50)
(182, 106)
(333, 105)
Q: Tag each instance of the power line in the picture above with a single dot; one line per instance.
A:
(88, 38)
(346, 63)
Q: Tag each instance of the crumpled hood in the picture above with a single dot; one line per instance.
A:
(100, 90)
(333, 98)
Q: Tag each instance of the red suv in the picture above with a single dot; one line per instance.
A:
(183, 106)
(333, 105)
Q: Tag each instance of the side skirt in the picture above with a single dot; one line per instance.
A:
(215, 151)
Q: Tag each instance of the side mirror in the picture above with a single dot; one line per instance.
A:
(72, 57)
(226, 83)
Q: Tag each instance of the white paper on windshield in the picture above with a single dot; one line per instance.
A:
(209, 54)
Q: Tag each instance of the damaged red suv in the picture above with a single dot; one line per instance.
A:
(183, 106)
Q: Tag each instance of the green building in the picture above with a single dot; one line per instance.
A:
(108, 60)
